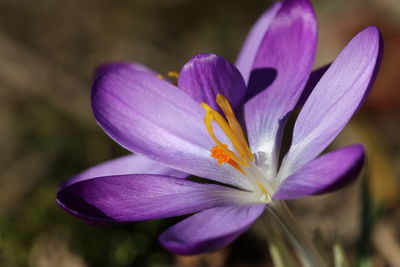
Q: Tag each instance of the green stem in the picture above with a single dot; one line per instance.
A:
(281, 216)
(278, 248)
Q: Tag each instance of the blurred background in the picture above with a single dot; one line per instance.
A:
(48, 51)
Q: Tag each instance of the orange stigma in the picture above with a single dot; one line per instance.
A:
(223, 157)
(220, 154)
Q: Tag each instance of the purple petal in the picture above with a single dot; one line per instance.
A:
(313, 80)
(153, 118)
(285, 58)
(334, 100)
(130, 164)
(126, 198)
(206, 75)
(251, 45)
(326, 173)
(210, 229)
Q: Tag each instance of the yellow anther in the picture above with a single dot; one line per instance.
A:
(212, 115)
(231, 127)
(223, 103)
(160, 76)
(173, 74)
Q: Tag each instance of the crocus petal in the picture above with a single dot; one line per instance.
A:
(250, 46)
(206, 75)
(334, 100)
(326, 173)
(284, 59)
(126, 198)
(153, 118)
(130, 164)
(313, 80)
(210, 229)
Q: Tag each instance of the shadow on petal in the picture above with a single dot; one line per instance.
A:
(259, 80)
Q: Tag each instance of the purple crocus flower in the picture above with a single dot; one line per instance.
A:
(225, 123)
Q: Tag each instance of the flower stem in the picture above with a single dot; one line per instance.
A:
(280, 215)
(279, 250)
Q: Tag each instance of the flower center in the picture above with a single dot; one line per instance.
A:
(242, 159)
